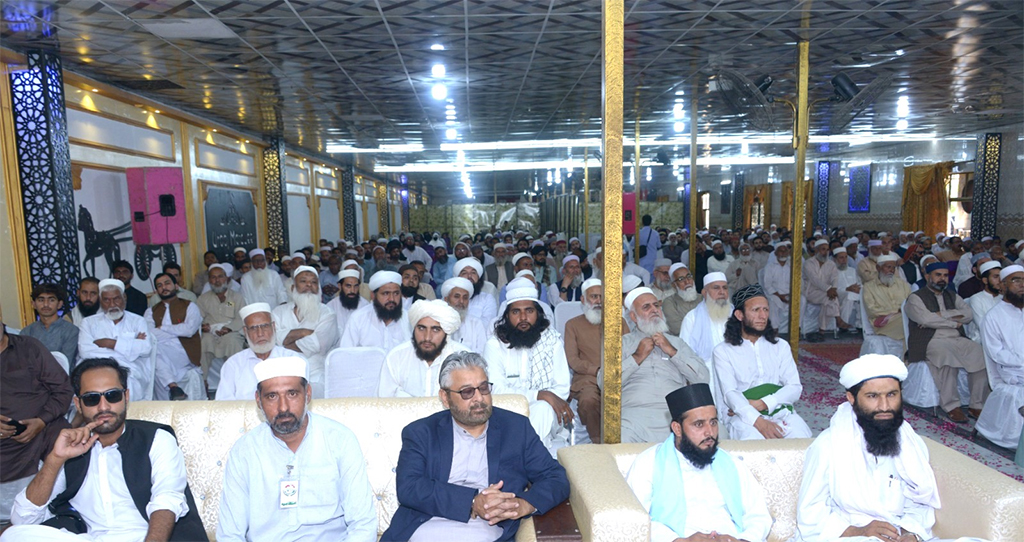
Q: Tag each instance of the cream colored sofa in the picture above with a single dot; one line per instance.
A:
(206, 431)
(976, 500)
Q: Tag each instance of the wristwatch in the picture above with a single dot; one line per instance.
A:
(562, 289)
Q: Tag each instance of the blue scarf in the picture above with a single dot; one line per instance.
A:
(668, 501)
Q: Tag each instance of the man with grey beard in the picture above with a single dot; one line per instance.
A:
(685, 297)
(237, 379)
(568, 286)
(306, 325)
(472, 333)
(742, 272)
(654, 363)
(820, 287)
(704, 327)
(119, 335)
(262, 285)
(883, 299)
(500, 272)
(221, 320)
(661, 281)
(583, 352)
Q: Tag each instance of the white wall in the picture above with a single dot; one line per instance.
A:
(299, 234)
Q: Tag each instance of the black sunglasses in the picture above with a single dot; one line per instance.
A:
(468, 393)
(92, 399)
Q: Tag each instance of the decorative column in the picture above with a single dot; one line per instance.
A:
(738, 186)
(348, 204)
(826, 172)
(986, 185)
(276, 195)
(44, 162)
(383, 210)
(405, 210)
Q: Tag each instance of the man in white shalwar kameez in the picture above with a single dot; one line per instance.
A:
(867, 476)
(262, 285)
(756, 374)
(1003, 339)
(704, 327)
(413, 368)
(719, 261)
(654, 362)
(692, 489)
(174, 365)
(306, 325)
(222, 326)
(484, 301)
(984, 301)
(820, 290)
(120, 335)
(526, 356)
(382, 323)
(237, 379)
(348, 300)
(777, 285)
(742, 272)
(849, 290)
(472, 333)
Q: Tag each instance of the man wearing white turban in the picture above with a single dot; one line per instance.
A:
(306, 325)
(484, 307)
(382, 323)
(821, 291)
(472, 333)
(412, 368)
(703, 328)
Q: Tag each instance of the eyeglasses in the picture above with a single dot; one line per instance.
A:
(468, 393)
(687, 278)
(1016, 280)
(92, 399)
(260, 328)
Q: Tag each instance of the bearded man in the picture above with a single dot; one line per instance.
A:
(662, 282)
(848, 285)
(471, 333)
(221, 321)
(583, 353)
(883, 299)
(500, 272)
(411, 369)
(654, 362)
(526, 356)
(443, 266)
(983, 302)
(684, 299)
(483, 303)
(777, 285)
(382, 323)
(237, 379)
(867, 474)
(821, 291)
(262, 285)
(88, 302)
(174, 324)
(704, 327)
(742, 272)
(1003, 339)
(348, 299)
(121, 336)
(568, 285)
(306, 325)
(719, 261)
(867, 268)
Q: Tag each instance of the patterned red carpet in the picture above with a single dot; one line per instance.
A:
(836, 352)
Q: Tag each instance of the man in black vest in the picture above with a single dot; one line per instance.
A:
(83, 485)
(937, 319)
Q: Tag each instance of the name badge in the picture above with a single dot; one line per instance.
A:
(289, 493)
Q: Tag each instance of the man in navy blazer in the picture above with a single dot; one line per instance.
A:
(463, 473)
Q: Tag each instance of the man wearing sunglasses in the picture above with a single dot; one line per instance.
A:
(463, 472)
(83, 486)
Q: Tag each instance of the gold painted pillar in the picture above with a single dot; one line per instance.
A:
(612, 30)
(586, 198)
(637, 179)
(800, 141)
(694, 193)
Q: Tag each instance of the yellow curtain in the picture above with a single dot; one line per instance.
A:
(786, 218)
(763, 194)
(925, 205)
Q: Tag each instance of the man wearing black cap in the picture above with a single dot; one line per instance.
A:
(693, 490)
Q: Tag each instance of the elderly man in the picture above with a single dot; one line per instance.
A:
(756, 374)
(381, 323)
(821, 291)
(568, 285)
(411, 369)
(719, 261)
(111, 479)
(526, 356)
(201, 278)
(262, 285)
(883, 298)
(119, 335)
(1003, 340)
(348, 300)
(742, 272)
(867, 474)
(299, 476)
(704, 327)
(237, 379)
(583, 353)
(684, 299)
(306, 325)
(174, 324)
(221, 322)
(654, 362)
(56, 334)
(777, 285)
(693, 490)
(983, 302)
(463, 472)
(937, 319)
(662, 282)
(848, 285)
(867, 268)
(471, 333)
(484, 307)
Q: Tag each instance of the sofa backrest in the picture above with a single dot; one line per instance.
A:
(207, 430)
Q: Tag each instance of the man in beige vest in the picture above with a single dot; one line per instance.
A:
(221, 322)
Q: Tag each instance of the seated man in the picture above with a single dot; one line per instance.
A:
(742, 272)
(821, 293)
(526, 356)
(1003, 339)
(703, 328)
(849, 291)
(84, 485)
(693, 490)
(135, 300)
(662, 282)
(307, 326)
(883, 298)
(382, 323)
(756, 373)
(684, 300)
(777, 285)
(654, 362)
(483, 303)
(583, 352)
(237, 379)
(221, 321)
(174, 324)
(463, 472)
(121, 336)
(410, 287)
(173, 270)
(300, 476)
(472, 333)
(261, 284)
(867, 474)
(348, 299)
(985, 300)
(411, 368)
(568, 286)
(56, 334)
(88, 301)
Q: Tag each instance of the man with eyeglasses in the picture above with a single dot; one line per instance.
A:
(1003, 339)
(684, 298)
(83, 485)
(654, 363)
(662, 281)
(463, 472)
(221, 319)
(411, 368)
(237, 379)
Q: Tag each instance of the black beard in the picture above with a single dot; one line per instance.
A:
(88, 310)
(988, 288)
(697, 457)
(408, 291)
(349, 301)
(719, 257)
(755, 332)
(387, 315)
(523, 339)
(429, 355)
(1014, 299)
(171, 295)
(882, 436)
(443, 259)
(478, 287)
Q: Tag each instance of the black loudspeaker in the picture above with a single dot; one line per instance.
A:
(167, 205)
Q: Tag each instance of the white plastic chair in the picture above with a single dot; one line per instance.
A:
(62, 360)
(353, 372)
(566, 311)
(875, 343)
(919, 388)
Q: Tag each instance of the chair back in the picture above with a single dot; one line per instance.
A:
(62, 360)
(566, 311)
(867, 326)
(353, 372)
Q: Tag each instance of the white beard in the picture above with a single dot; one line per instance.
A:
(719, 311)
(653, 326)
(745, 259)
(260, 277)
(262, 348)
(782, 261)
(462, 314)
(114, 314)
(689, 294)
(577, 281)
(663, 285)
(886, 280)
(592, 313)
(307, 306)
(843, 267)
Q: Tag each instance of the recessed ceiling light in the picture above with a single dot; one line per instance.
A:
(95, 90)
(437, 47)
(437, 70)
(157, 111)
(439, 91)
(451, 133)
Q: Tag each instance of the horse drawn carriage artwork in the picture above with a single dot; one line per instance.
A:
(107, 244)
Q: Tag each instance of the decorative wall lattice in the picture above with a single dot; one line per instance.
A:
(348, 204)
(383, 210)
(738, 184)
(860, 189)
(986, 185)
(826, 172)
(277, 204)
(44, 161)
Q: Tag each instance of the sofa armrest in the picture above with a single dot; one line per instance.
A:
(527, 531)
(605, 508)
(976, 500)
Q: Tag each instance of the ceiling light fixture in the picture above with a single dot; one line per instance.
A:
(451, 133)
(437, 70)
(439, 91)
(437, 47)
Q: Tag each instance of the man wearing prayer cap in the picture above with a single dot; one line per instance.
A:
(483, 302)
(982, 302)
(719, 261)
(867, 474)
(661, 283)
(742, 272)
(472, 333)
(412, 368)
(526, 356)
(237, 379)
(348, 299)
(756, 374)
(821, 291)
(654, 362)
(262, 285)
(568, 287)
(382, 323)
(972, 284)
(684, 298)
(1002, 335)
(229, 271)
(222, 323)
(500, 271)
(119, 335)
(703, 328)
(692, 489)
(883, 298)
(300, 475)
(866, 269)
(442, 268)
(306, 325)
(777, 285)
(849, 287)
(937, 317)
